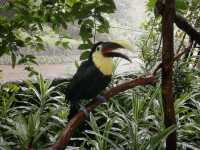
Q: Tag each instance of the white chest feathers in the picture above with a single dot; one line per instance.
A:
(104, 64)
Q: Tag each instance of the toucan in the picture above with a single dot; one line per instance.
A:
(94, 74)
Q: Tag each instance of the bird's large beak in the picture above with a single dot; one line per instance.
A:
(109, 47)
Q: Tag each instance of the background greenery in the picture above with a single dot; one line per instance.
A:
(33, 114)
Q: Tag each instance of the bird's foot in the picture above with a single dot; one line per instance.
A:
(100, 98)
(84, 110)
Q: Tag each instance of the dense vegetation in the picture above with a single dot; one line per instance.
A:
(32, 114)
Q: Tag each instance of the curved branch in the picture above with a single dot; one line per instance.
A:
(180, 21)
(74, 122)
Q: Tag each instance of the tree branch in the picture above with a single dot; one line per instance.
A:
(167, 71)
(75, 121)
(181, 22)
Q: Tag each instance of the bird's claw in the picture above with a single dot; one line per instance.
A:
(84, 110)
(100, 98)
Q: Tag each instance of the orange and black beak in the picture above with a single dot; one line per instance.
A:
(109, 47)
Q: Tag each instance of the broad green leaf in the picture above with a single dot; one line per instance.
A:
(84, 55)
(181, 5)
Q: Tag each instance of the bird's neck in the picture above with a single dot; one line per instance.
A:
(104, 64)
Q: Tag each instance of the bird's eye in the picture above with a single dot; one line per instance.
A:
(98, 48)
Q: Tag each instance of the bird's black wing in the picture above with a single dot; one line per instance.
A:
(87, 82)
(78, 83)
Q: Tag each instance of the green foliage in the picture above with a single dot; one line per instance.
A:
(7, 98)
(35, 113)
(31, 114)
(182, 5)
(86, 29)
(24, 27)
(84, 55)
(183, 78)
(151, 41)
(150, 5)
(27, 130)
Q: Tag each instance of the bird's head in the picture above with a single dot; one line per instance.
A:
(107, 49)
(103, 52)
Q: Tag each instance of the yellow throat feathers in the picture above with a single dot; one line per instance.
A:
(104, 64)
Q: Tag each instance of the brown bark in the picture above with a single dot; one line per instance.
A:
(167, 70)
(180, 21)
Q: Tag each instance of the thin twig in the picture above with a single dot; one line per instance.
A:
(176, 57)
(159, 45)
(95, 28)
(181, 43)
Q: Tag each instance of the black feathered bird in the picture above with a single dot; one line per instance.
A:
(94, 74)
